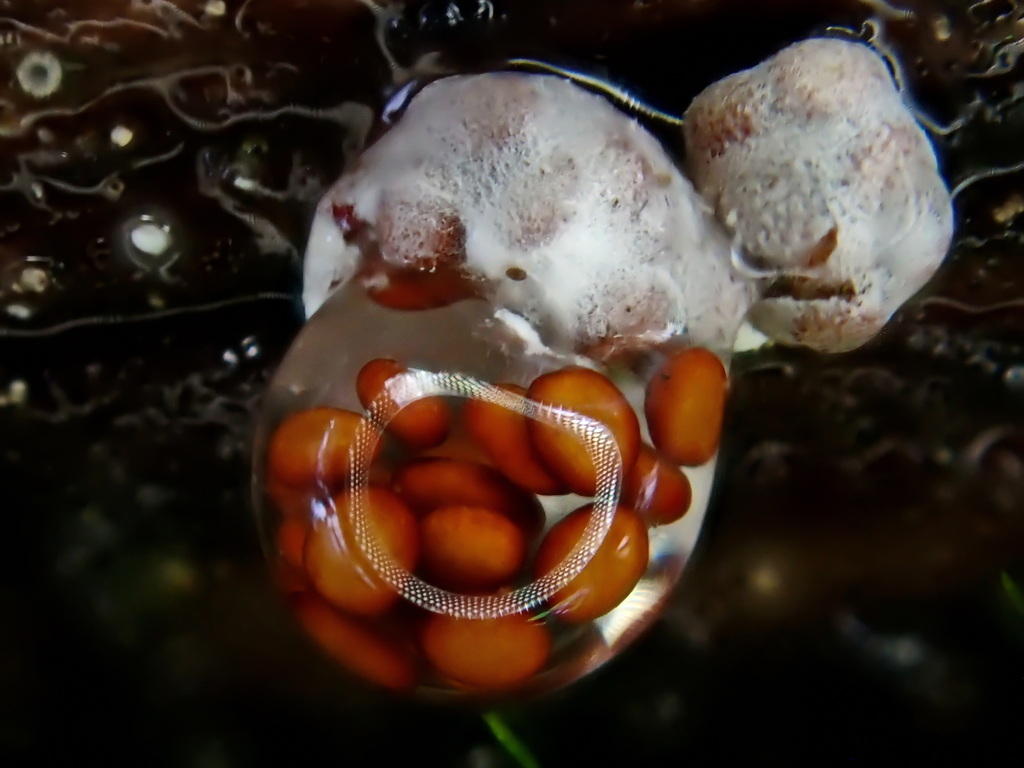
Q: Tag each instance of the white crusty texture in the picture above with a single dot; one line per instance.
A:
(549, 180)
(818, 169)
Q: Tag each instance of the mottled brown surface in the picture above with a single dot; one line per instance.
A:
(846, 605)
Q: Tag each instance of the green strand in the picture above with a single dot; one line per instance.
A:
(509, 741)
(1013, 592)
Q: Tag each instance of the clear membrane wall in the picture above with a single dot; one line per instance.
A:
(488, 454)
(467, 537)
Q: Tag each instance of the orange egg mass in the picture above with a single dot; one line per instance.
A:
(311, 447)
(341, 572)
(356, 647)
(471, 549)
(420, 425)
(486, 653)
(429, 484)
(590, 394)
(685, 406)
(503, 436)
(609, 577)
(656, 488)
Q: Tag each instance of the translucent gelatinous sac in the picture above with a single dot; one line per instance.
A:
(534, 556)
(816, 166)
(485, 468)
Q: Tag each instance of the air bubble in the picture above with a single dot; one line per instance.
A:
(149, 242)
(251, 348)
(441, 18)
(40, 74)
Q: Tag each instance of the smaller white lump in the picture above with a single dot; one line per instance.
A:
(827, 184)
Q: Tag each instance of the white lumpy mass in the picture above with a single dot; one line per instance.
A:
(816, 205)
(827, 184)
(568, 210)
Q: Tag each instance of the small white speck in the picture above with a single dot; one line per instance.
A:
(37, 190)
(156, 301)
(1014, 377)
(19, 311)
(250, 347)
(40, 74)
(1009, 209)
(151, 238)
(765, 579)
(215, 8)
(112, 188)
(34, 280)
(17, 392)
(121, 136)
(230, 357)
(245, 184)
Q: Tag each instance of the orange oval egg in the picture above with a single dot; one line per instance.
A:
(458, 446)
(503, 436)
(420, 425)
(412, 290)
(471, 549)
(291, 541)
(685, 405)
(290, 582)
(429, 484)
(311, 447)
(341, 572)
(356, 647)
(486, 653)
(657, 489)
(301, 503)
(619, 563)
(590, 394)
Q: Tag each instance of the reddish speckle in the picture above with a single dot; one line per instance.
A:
(349, 224)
